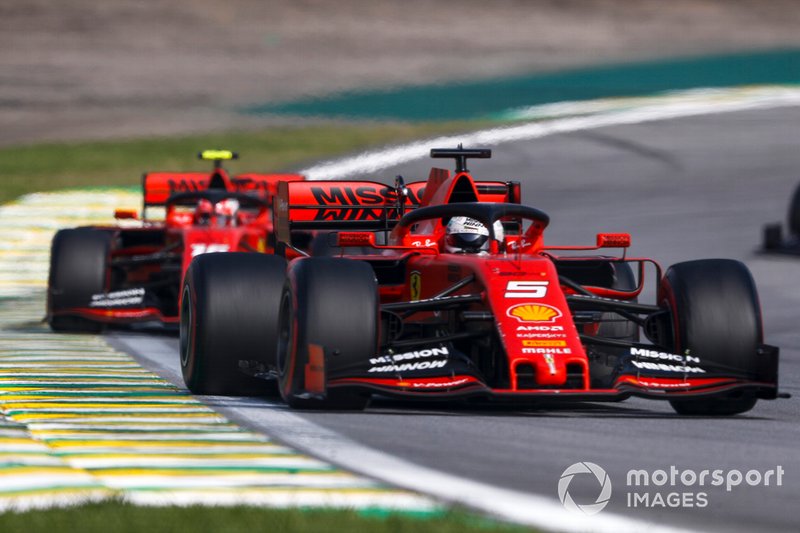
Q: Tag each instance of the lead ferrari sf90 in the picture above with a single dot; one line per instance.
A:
(459, 296)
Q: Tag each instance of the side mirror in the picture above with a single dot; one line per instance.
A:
(613, 240)
(126, 214)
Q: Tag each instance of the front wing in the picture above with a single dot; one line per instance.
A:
(126, 306)
(456, 379)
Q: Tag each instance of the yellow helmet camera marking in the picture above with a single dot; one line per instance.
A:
(217, 155)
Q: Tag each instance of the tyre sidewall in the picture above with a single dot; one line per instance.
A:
(794, 214)
(715, 314)
(233, 311)
(79, 269)
(332, 303)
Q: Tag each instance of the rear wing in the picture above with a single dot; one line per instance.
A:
(341, 204)
(157, 187)
(362, 205)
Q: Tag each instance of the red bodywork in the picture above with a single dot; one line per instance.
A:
(155, 254)
(515, 309)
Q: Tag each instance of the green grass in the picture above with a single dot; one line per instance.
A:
(124, 518)
(53, 166)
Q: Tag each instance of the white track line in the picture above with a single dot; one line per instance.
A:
(533, 510)
(676, 105)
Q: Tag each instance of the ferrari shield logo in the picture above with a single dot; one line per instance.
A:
(415, 284)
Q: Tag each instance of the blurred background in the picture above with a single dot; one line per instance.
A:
(94, 92)
(85, 69)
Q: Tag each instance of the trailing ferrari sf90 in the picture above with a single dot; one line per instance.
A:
(132, 271)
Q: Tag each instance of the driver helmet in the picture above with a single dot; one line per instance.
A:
(226, 211)
(203, 212)
(467, 235)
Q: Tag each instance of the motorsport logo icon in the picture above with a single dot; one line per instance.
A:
(584, 468)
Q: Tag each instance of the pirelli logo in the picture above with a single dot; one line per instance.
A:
(544, 343)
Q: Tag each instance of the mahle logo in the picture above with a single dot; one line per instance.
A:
(582, 469)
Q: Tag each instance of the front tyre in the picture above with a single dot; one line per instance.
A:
(332, 304)
(229, 312)
(715, 314)
(79, 261)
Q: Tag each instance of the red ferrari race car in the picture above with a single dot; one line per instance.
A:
(123, 274)
(465, 300)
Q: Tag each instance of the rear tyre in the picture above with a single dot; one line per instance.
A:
(715, 314)
(773, 236)
(332, 303)
(794, 214)
(78, 269)
(229, 312)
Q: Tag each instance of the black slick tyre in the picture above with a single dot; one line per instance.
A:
(78, 269)
(229, 312)
(333, 304)
(716, 315)
(794, 214)
(773, 236)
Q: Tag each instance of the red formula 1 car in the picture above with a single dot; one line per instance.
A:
(513, 319)
(124, 274)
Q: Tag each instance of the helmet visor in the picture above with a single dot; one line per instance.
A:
(468, 242)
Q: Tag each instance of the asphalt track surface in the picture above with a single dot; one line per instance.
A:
(689, 188)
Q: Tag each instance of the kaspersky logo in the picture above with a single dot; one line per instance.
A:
(534, 313)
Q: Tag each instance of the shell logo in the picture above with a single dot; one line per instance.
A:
(534, 313)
